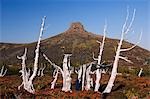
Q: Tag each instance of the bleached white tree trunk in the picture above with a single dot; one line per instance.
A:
(27, 79)
(55, 75)
(140, 72)
(98, 70)
(98, 77)
(37, 50)
(79, 72)
(3, 73)
(41, 71)
(25, 74)
(56, 71)
(126, 28)
(89, 80)
(66, 73)
(83, 76)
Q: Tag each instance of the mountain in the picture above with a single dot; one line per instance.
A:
(75, 40)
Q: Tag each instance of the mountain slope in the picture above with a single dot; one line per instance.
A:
(75, 40)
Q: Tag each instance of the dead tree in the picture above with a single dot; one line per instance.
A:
(55, 76)
(98, 70)
(125, 29)
(66, 73)
(41, 71)
(26, 77)
(84, 76)
(3, 73)
(89, 79)
(140, 72)
(79, 72)
(56, 71)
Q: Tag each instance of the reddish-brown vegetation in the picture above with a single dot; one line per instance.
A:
(125, 87)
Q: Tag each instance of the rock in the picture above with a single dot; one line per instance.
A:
(76, 27)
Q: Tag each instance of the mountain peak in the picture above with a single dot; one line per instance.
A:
(76, 27)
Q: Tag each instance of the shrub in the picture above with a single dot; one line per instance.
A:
(132, 94)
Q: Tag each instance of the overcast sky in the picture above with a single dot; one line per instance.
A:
(20, 19)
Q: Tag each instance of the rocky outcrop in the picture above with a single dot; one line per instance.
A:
(76, 27)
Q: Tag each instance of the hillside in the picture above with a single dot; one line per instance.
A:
(75, 40)
(81, 44)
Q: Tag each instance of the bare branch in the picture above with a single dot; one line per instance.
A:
(39, 72)
(53, 64)
(126, 28)
(2, 69)
(94, 57)
(42, 74)
(55, 78)
(24, 55)
(99, 42)
(20, 86)
(93, 72)
(127, 49)
(76, 71)
(125, 24)
(46, 27)
(19, 57)
(126, 59)
(3, 73)
(130, 25)
(47, 59)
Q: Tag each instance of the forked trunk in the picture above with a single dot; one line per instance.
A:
(27, 79)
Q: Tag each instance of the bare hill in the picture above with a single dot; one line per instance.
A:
(75, 40)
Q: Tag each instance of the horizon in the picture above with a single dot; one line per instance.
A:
(23, 18)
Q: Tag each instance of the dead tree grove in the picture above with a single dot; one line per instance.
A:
(66, 72)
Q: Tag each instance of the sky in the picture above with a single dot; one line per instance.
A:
(20, 20)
